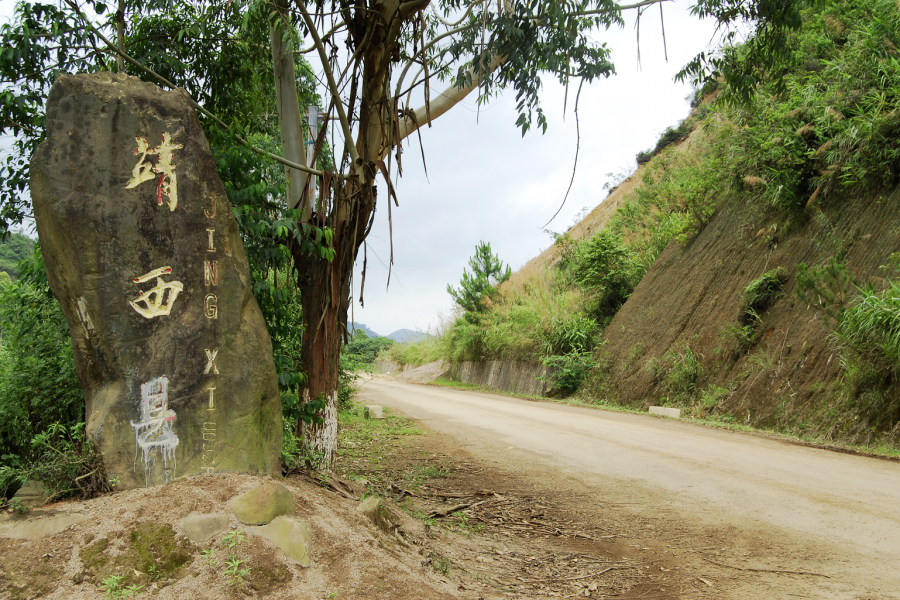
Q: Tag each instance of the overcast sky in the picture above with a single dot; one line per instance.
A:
(486, 182)
(489, 183)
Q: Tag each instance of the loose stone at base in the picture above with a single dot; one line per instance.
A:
(261, 504)
(202, 527)
(377, 511)
(291, 535)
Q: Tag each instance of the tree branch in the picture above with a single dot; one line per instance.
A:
(331, 32)
(461, 19)
(192, 102)
(427, 47)
(338, 103)
(587, 13)
(444, 101)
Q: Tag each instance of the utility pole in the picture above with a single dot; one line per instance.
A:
(314, 120)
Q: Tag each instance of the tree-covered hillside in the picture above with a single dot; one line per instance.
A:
(15, 248)
(791, 175)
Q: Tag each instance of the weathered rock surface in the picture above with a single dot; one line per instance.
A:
(376, 511)
(31, 494)
(142, 251)
(202, 527)
(259, 505)
(291, 535)
(38, 525)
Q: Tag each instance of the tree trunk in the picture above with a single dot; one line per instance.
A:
(320, 353)
(290, 117)
(325, 286)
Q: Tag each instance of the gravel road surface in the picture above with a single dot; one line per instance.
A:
(832, 513)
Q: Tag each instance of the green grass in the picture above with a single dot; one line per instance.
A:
(420, 352)
(366, 443)
(442, 381)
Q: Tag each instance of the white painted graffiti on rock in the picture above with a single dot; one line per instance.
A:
(157, 301)
(144, 170)
(153, 433)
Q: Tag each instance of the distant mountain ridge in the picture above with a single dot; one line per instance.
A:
(407, 335)
(399, 336)
(362, 327)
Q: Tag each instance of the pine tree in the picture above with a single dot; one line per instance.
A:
(487, 271)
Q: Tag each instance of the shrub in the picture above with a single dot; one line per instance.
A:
(832, 127)
(17, 247)
(574, 335)
(418, 352)
(567, 372)
(829, 287)
(605, 269)
(668, 137)
(39, 386)
(761, 294)
(712, 396)
(742, 336)
(678, 195)
(870, 327)
(365, 349)
(678, 372)
(60, 457)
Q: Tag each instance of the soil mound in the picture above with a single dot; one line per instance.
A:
(135, 536)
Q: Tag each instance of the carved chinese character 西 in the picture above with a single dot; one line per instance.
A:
(157, 301)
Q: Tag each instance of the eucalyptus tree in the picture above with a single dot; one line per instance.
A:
(374, 56)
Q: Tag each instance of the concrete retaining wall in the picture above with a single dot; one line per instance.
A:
(389, 366)
(518, 377)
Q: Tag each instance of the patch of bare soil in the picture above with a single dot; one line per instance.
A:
(498, 532)
(463, 528)
(493, 535)
(135, 535)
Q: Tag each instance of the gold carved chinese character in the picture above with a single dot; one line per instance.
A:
(144, 170)
(158, 301)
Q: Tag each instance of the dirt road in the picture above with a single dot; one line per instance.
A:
(794, 521)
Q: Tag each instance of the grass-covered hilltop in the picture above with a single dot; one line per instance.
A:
(748, 271)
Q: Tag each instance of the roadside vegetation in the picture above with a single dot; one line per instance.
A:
(826, 131)
(41, 401)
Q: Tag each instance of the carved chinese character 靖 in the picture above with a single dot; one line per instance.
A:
(144, 170)
(157, 301)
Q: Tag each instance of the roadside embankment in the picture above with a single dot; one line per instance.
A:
(513, 376)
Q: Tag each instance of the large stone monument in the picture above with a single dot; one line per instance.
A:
(142, 251)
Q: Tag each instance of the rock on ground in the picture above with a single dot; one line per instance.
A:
(31, 494)
(376, 511)
(40, 524)
(260, 505)
(291, 535)
(203, 527)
